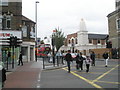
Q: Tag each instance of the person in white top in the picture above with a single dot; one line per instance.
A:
(88, 61)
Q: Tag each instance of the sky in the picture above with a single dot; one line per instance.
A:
(66, 14)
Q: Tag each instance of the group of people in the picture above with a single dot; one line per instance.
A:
(89, 60)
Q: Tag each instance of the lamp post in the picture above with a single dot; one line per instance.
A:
(36, 29)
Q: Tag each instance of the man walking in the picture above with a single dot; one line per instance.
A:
(106, 57)
(68, 58)
(20, 59)
(92, 56)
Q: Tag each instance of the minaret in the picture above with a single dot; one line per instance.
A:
(82, 34)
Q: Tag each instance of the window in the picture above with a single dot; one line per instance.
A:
(0, 21)
(24, 30)
(6, 22)
(90, 41)
(118, 24)
(98, 41)
(76, 41)
(3, 2)
(69, 41)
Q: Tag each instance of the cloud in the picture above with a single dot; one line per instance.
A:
(67, 15)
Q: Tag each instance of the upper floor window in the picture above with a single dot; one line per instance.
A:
(3, 2)
(6, 22)
(76, 42)
(0, 21)
(24, 30)
(69, 41)
(118, 24)
(32, 32)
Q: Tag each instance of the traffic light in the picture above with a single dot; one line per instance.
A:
(16, 42)
(11, 41)
(109, 44)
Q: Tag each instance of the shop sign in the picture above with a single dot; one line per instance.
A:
(7, 34)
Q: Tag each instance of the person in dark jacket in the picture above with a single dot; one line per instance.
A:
(106, 57)
(81, 61)
(92, 56)
(20, 59)
(3, 76)
(77, 61)
(68, 58)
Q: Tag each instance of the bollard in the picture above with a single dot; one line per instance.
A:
(43, 63)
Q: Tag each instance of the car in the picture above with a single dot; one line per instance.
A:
(74, 56)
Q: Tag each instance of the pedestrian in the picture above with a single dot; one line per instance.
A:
(9, 55)
(88, 61)
(92, 56)
(68, 58)
(20, 59)
(3, 73)
(79, 61)
(106, 57)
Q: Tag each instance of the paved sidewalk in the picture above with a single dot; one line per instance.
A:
(25, 76)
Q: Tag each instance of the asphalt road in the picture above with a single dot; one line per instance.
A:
(99, 76)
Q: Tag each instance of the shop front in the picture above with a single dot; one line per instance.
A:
(9, 55)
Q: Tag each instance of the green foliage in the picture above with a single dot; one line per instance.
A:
(42, 42)
(59, 38)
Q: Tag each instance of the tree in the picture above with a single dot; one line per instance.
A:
(58, 37)
(42, 42)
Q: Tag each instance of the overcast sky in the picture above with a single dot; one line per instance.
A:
(66, 14)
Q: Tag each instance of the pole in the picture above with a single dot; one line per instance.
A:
(36, 29)
(13, 57)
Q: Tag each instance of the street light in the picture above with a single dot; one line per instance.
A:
(36, 29)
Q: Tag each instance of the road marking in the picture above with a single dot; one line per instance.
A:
(88, 81)
(108, 82)
(105, 74)
(38, 81)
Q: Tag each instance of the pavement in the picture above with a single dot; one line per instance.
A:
(28, 75)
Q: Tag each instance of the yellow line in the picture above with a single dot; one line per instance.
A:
(88, 81)
(104, 74)
(109, 82)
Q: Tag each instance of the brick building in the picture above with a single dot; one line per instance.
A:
(13, 23)
(114, 26)
(83, 41)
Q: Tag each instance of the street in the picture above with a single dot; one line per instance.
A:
(32, 75)
(98, 77)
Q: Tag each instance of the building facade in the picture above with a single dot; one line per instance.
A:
(114, 26)
(83, 41)
(13, 23)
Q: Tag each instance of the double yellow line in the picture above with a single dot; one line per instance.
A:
(92, 82)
